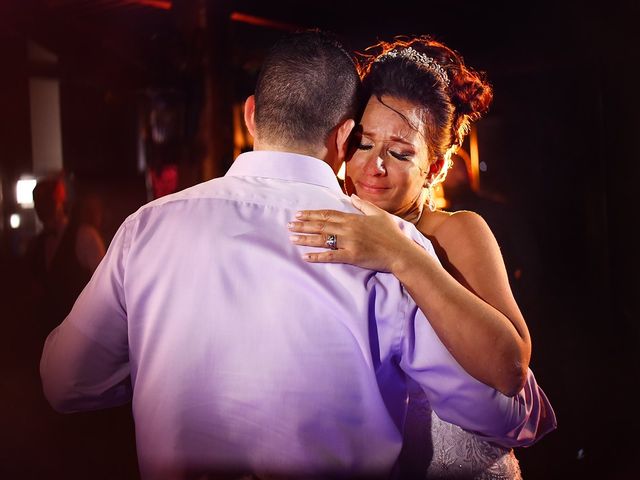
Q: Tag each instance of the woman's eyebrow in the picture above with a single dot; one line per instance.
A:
(393, 138)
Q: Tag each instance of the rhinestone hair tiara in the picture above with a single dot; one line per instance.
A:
(419, 58)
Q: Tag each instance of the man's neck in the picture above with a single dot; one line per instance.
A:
(321, 154)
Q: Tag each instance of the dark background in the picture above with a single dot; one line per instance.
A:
(560, 144)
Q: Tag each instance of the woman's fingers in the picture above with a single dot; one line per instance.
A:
(311, 240)
(322, 215)
(330, 256)
(315, 227)
(340, 255)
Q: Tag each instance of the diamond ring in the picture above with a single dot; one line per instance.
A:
(332, 241)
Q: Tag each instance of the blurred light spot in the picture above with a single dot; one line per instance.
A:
(342, 171)
(24, 191)
(14, 221)
(483, 167)
(161, 4)
(580, 455)
(263, 22)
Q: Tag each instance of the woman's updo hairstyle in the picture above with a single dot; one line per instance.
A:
(428, 73)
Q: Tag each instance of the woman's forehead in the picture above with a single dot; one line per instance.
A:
(392, 119)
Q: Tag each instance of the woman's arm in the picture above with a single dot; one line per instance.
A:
(471, 309)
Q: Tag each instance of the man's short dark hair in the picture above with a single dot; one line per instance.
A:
(307, 86)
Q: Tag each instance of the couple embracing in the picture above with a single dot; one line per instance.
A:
(266, 325)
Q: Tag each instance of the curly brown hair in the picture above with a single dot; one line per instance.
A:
(449, 105)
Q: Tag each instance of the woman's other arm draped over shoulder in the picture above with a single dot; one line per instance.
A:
(468, 301)
(479, 323)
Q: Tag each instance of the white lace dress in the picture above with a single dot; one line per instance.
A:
(435, 449)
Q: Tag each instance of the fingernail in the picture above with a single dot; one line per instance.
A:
(294, 238)
(353, 195)
(298, 214)
(291, 225)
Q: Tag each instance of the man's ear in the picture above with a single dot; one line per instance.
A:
(249, 115)
(343, 138)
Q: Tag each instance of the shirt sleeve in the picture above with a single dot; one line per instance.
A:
(85, 361)
(458, 398)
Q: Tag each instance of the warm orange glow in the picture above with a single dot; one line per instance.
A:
(439, 197)
(242, 140)
(262, 22)
(462, 153)
(461, 157)
(475, 159)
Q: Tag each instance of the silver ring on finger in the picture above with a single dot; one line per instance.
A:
(332, 241)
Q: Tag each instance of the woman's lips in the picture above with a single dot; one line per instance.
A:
(374, 189)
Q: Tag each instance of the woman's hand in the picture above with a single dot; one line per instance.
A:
(373, 240)
(491, 346)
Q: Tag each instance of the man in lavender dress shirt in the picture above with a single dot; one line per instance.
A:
(238, 356)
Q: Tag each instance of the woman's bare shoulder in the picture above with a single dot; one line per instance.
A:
(456, 229)
(430, 221)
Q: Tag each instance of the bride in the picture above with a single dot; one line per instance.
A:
(422, 99)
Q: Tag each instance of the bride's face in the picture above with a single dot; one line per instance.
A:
(389, 166)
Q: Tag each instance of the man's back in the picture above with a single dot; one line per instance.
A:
(272, 364)
(242, 355)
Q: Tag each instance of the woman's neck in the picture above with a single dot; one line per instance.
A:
(412, 212)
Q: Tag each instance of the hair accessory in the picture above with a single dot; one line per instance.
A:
(419, 58)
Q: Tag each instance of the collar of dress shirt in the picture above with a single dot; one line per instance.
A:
(285, 166)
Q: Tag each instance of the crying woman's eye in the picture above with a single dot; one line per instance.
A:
(401, 156)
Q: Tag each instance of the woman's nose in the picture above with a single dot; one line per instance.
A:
(375, 166)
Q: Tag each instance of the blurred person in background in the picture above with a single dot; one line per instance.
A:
(64, 255)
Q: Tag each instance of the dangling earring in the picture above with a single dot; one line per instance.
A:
(435, 170)
(428, 198)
